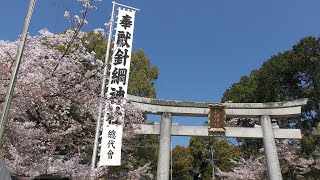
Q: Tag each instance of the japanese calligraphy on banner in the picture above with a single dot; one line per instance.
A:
(119, 73)
(110, 153)
(112, 138)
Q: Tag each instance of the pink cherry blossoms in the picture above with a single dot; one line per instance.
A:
(54, 106)
(52, 117)
(256, 167)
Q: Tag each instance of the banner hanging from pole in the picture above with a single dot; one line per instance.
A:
(110, 153)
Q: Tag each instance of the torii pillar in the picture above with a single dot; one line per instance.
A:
(270, 149)
(165, 147)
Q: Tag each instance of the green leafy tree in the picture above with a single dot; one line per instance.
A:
(306, 63)
(201, 149)
(243, 91)
(289, 75)
(96, 43)
(182, 163)
(142, 76)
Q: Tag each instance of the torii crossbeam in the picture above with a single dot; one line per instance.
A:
(264, 111)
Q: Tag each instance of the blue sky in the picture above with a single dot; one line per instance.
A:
(200, 47)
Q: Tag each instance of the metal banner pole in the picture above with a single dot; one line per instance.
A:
(126, 6)
(105, 71)
(6, 106)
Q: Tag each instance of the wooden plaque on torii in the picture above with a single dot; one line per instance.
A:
(217, 118)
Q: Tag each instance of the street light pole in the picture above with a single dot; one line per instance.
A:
(8, 100)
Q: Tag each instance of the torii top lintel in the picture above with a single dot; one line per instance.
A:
(233, 110)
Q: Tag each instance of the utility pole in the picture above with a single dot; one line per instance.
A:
(8, 100)
(212, 161)
(171, 162)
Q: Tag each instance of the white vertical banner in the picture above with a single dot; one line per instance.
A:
(110, 152)
(120, 67)
(112, 138)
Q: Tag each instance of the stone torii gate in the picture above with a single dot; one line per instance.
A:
(264, 111)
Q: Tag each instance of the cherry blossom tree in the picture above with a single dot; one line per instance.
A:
(255, 167)
(252, 168)
(52, 117)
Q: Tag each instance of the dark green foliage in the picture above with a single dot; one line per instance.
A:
(290, 75)
(200, 148)
(196, 159)
(182, 165)
(142, 76)
(276, 79)
(145, 150)
(243, 91)
(96, 43)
